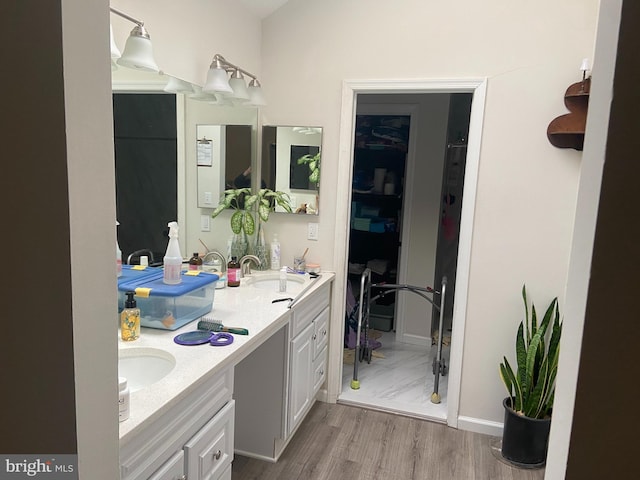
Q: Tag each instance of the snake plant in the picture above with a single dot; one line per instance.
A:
(532, 386)
(246, 205)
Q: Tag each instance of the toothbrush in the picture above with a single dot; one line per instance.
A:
(216, 326)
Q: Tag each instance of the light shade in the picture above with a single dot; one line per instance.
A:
(175, 85)
(256, 97)
(138, 52)
(217, 80)
(238, 86)
(201, 96)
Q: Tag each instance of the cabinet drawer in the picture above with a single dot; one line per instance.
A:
(159, 440)
(305, 311)
(319, 370)
(321, 332)
(173, 469)
(210, 451)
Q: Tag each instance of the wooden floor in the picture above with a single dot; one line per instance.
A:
(339, 442)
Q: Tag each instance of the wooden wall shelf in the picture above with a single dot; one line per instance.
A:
(567, 131)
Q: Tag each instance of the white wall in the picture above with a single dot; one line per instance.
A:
(527, 188)
(91, 174)
(187, 34)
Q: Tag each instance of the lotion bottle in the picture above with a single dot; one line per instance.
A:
(233, 272)
(130, 319)
(123, 399)
(195, 262)
(275, 253)
(173, 258)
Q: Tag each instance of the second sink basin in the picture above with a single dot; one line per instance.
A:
(271, 281)
(144, 366)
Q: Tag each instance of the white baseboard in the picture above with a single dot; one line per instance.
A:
(323, 396)
(479, 425)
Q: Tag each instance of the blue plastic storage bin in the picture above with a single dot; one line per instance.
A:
(169, 307)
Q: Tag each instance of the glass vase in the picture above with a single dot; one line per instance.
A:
(261, 249)
(238, 246)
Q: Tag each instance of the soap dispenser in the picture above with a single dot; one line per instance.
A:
(173, 258)
(130, 319)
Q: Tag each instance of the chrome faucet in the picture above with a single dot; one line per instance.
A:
(139, 253)
(245, 264)
(217, 254)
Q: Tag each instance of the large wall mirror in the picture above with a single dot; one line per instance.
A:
(180, 189)
(291, 163)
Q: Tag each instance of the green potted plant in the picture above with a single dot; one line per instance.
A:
(251, 210)
(313, 162)
(531, 386)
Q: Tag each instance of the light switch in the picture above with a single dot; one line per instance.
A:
(208, 198)
(312, 231)
(205, 223)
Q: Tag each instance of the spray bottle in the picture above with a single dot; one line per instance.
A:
(173, 257)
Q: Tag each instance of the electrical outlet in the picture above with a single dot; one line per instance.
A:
(205, 223)
(312, 231)
(208, 198)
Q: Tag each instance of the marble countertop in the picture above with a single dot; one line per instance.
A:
(244, 306)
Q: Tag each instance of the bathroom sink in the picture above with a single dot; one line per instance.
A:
(271, 282)
(144, 366)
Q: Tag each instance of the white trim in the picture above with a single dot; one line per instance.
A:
(464, 252)
(350, 88)
(479, 425)
(586, 217)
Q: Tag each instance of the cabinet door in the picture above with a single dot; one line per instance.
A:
(210, 451)
(321, 332)
(300, 377)
(173, 469)
(319, 371)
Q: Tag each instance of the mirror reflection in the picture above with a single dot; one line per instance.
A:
(223, 159)
(139, 230)
(291, 163)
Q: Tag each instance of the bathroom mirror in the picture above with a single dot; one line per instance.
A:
(223, 160)
(191, 114)
(291, 163)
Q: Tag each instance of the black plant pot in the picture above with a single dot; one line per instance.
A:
(524, 439)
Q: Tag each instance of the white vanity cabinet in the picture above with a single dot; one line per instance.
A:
(307, 354)
(192, 439)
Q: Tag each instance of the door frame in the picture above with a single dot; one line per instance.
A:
(350, 88)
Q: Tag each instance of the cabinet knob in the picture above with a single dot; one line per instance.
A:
(315, 336)
(217, 455)
(182, 477)
(321, 373)
(324, 332)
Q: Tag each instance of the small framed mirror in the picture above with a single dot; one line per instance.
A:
(291, 158)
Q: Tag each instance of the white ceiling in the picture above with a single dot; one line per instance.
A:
(263, 8)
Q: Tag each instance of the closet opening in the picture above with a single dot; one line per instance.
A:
(407, 182)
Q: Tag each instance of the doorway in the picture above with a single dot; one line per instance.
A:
(351, 91)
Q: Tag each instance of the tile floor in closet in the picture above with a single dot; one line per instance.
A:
(401, 381)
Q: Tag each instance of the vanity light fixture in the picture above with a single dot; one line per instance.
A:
(115, 52)
(239, 87)
(218, 82)
(138, 52)
(176, 85)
